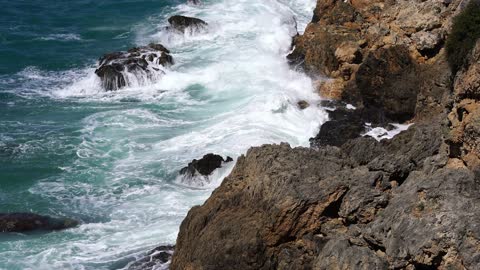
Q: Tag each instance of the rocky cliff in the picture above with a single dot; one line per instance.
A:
(412, 202)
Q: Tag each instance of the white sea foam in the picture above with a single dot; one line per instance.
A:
(231, 88)
(380, 133)
(61, 37)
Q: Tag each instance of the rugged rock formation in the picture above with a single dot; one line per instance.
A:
(24, 222)
(143, 62)
(204, 166)
(464, 117)
(367, 205)
(378, 53)
(351, 202)
(182, 23)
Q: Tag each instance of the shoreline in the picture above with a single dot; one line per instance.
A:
(357, 203)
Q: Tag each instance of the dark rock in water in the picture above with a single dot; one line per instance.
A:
(24, 222)
(204, 166)
(140, 60)
(302, 104)
(156, 257)
(181, 23)
(194, 2)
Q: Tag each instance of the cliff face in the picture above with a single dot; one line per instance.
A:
(412, 202)
(380, 54)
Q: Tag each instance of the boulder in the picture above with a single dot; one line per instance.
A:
(25, 222)
(140, 61)
(204, 166)
(154, 259)
(182, 23)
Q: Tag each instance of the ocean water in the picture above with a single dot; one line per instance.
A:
(111, 159)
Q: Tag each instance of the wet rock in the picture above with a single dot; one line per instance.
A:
(182, 23)
(25, 222)
(204, 166)
(145, 61)
(155, 258)
(302, 104)
(345, 124)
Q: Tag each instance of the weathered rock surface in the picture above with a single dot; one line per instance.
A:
(379, 205)
(352, 202)
(25, 222)
(143, 62)
(464, 118)
(182, 23)
(379, 53)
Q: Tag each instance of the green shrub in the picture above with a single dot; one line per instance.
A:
(464, 34)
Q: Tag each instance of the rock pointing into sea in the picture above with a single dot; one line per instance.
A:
(143, 64)
(198, 171)
(25, 222)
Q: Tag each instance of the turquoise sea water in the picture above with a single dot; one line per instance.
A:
(110, 160)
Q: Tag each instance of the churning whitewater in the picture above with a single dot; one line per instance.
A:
(116, 155)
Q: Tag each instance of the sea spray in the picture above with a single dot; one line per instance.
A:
(115, 156)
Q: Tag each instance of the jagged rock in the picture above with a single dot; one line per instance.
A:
(204, 166)
(25, 222)
(182, 23)
(388, 80)
(145, 60)
(317, 209)
(464, 117)
(154, 258)
(344, 36)
(427, 42)
(408, 203)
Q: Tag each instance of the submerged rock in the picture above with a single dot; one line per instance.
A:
(144, 61)
(154, 258)
(204, 166)
(24, 222)
(182, 23)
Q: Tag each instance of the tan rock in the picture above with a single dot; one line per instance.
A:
(455, 163)
(332, 88)
(348, 52)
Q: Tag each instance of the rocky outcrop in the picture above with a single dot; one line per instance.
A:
(25, 222)
(378, 53)
(378, 205)
(352, 202)
(182, 23)
(143, 62)
(464, 118)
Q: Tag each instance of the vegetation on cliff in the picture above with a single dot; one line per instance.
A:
(464, 34)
